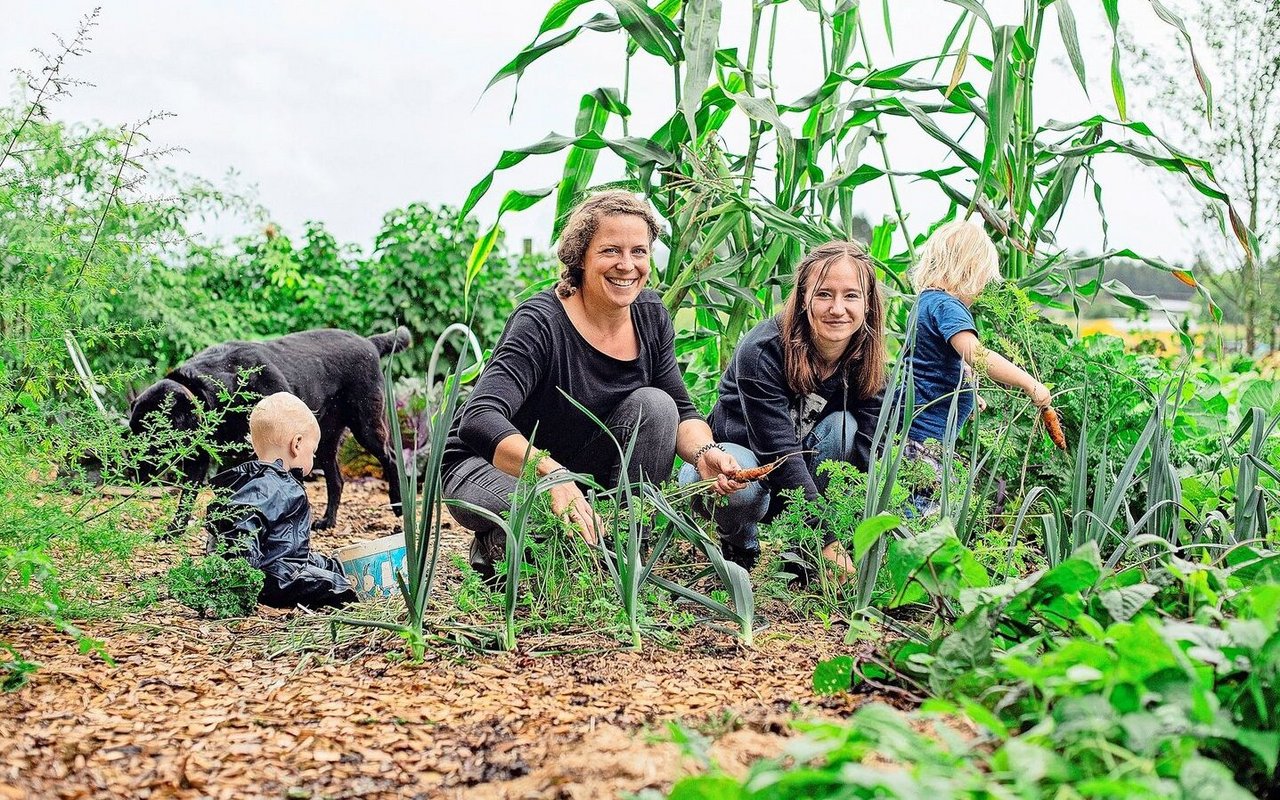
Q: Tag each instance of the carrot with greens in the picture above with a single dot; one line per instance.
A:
(1053, 426)
(756, 473)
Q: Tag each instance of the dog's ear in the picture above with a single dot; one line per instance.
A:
(211, 386)
(166, 397)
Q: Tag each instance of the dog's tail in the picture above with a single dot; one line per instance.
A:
(393, 342)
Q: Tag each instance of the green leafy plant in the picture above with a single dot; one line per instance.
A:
(215, 586)
(739, 219)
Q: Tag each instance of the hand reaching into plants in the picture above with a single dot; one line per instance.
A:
(840, 559)
(716, 463)
(568, 502)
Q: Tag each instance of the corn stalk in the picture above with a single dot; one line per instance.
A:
(738, 221)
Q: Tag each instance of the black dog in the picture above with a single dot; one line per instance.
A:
(336, 373)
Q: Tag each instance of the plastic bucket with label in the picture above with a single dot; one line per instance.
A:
(372, 566)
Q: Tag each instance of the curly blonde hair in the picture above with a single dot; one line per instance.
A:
(959, 258)
(581, 228)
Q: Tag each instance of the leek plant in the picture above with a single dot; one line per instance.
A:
(1099, 512)
(1250, 518)
(420, 505)
(516, 529)
(735, 579)
(630, 570)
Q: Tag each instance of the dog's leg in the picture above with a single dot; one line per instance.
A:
(327, 460)
(372, 436)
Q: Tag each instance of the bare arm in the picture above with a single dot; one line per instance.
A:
(998, 368)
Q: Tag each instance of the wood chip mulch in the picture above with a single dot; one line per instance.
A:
(229, 709)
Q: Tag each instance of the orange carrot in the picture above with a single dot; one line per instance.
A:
(756, 473)
(1053, 426)
(753, 474)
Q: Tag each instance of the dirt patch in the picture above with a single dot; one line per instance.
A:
(197, 708)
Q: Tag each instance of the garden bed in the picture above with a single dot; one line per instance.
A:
(271, 706)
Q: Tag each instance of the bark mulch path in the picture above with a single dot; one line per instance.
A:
(263, 707)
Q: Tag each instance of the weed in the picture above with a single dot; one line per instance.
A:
(215, 586)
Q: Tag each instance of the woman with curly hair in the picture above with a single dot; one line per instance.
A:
(603, 339)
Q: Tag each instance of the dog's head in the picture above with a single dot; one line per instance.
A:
(162, 412)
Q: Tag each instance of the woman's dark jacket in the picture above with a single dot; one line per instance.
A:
(758, 410)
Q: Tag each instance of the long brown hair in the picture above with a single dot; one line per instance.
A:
(863, 360)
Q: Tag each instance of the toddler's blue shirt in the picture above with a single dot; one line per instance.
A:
(937, 367)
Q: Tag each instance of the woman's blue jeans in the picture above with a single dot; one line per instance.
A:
(738, 520)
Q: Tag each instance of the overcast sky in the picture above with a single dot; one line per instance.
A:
(341, 111)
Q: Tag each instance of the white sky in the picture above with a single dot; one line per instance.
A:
(340, 112)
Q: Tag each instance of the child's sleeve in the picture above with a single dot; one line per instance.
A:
(951, 317)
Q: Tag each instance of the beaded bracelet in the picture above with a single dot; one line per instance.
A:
(701, 451)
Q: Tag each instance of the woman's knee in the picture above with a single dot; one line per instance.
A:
(478, 483)
(650, 406)
(834, 437)
(750, 503)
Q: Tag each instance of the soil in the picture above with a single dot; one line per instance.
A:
(272, 706)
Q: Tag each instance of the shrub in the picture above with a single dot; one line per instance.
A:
(215, 586)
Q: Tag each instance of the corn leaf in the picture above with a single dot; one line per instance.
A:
(1071, 41)
(701, 36)
(558, 14)
(514, 200)
(1000, 108)
(1112, 9)
(764, 110)
(888, 22)
(1163, 12)
(951, 38)
(654, 32)
(930, 127)
(516, 66)
(593, 114)
(962, 59)
(977, 9)
(633, 150)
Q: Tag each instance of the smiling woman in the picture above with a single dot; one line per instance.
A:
(602, 339)
(810, 379)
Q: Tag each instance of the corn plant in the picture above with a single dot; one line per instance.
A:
(739, 220)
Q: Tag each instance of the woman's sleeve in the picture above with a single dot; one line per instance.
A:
(506, 383)
(771, 433)
(666, 371)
